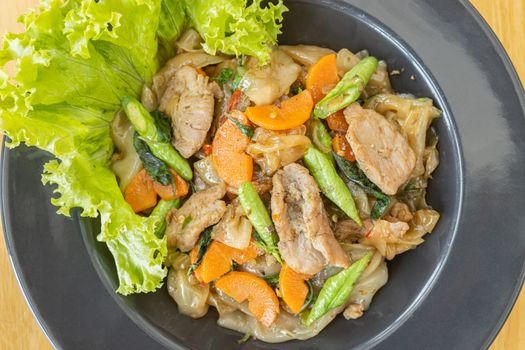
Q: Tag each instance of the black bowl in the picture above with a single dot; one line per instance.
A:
(411, 275)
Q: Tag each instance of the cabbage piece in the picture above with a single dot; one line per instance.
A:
(205, 175)
(189, 41)
(413, 193)
(264, 85)
(431, 154)
(232, 27)
(393, 238)
(73, 64)
(191, 297)
(360, 198)
(263, 265)
(346, 60)
(306, 54)
(126, 164)
(379, 82)
(234, 229)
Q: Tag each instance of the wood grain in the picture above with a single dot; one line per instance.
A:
(18, 328)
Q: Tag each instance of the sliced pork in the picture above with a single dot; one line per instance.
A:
(307, 243)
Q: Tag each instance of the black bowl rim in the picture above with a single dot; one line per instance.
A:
(519, 87)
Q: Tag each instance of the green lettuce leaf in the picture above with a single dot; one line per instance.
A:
(172, 23)
(232, 27)
(73, 64)
(137, 251)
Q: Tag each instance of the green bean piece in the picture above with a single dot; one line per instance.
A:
(160, 212)
(144, 125)
(332, 186)
(348, 90)
(167, 153)
(258, 215)
(320, 137)
(337, 288)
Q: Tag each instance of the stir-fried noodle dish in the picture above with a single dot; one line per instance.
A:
(271, 182)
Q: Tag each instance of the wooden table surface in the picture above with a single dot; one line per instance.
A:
(18, 329)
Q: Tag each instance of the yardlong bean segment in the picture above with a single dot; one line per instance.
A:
(144, 125)
(348, 90)
(260, 219)
(330, 183)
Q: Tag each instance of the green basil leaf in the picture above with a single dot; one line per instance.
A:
(309, 297)
(380, 207)
(224, 76)
(272, 280)
(162, 122)
(204, 243)
(235, 82)
(155, 167)
(245, 129)
(296, 90)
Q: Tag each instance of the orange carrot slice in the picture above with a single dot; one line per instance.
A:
(337, 122)
(233, 165)
(218, 260)
(166, 192)
(241, 256)
(322, 76)
(234, 100)
(140, 192)
(293, 288)
(215, 263)
(201, 72)
(343, 148)
(206, 149)
(262, 301)
(292, 113)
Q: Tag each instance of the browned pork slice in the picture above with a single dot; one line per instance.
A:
(382, 151)
(189, 101)
(307, 243)
(201, 210)
(194, 59)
